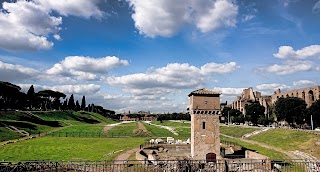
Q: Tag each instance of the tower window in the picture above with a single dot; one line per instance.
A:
(205, 102)
(203, 125)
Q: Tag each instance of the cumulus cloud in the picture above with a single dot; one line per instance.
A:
(290, 67)
(67, 89)
(212, 68)
(86, 68)
(316, 7)
(165, 17)
(229, 91)
(168, 79)
(272, 87)
(287, 52)
(303, 83)
(215, 15)
(14, 72)
(79, 8)
(28, 25)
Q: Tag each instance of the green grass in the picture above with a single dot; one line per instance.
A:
(290, 140)
(176, 124)
(53, 148)
(126, 129)
(158, 132)
(6, 134)
(264, 151)
(236, 131)
(29, 127)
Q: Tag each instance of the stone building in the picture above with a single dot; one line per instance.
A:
(204, 109)
(309, 95)
(249, 96)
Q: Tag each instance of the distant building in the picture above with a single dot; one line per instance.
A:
(309, 94)
(248, 97)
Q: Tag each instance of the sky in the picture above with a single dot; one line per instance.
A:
(132, 55)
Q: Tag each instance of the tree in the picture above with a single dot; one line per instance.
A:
(290, 109)
(83, 103)
(31, 97)
(254, 111)
(314, 110)
(234, 114)
(77, 107)
(71, 104)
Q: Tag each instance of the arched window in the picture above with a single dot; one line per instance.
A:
(303, 96)
(311, 96)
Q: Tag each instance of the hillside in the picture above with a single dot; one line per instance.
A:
(17, 124)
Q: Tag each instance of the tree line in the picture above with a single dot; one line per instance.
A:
(292, 110)
(11, 97)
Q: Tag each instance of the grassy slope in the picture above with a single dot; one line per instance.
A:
(6, 134)
(46, 121)
(53, 148)
(158, 132)
(290, 140)
(264, 151)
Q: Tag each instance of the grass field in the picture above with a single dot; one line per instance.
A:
(54, 148)
(290, 140)
(6, 134)
(158, 132)
(236, 131)
(264, 151)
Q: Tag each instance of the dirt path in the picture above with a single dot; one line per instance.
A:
(124, 156)
(289, 154)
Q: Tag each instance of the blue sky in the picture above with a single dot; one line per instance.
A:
(149, 54)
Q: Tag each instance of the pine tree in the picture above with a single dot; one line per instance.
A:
(83, 103)
(71, 105)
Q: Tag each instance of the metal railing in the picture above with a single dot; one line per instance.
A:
(241, 165)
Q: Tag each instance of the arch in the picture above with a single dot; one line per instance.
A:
(297, 94)
(311, 96)
(291, 94)
(303, 95)
(287, 95)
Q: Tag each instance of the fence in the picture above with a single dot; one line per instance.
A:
(163, 166)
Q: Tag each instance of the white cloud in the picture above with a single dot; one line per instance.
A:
(212, 68)
(28, 25)
(247, 17)
(158, 17)
(13, 72)
(272, 87)
(316, 7)
(86, 68)
(80, 8)
(83, 89)
(165, 17)
(303, 83)
(25, 26)
(229, 91)
(172, 76)
(290, 67)
(215, 15)
(287, 52)
(57, 37)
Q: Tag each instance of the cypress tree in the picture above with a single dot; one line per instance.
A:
(83, 103)
(71, 105)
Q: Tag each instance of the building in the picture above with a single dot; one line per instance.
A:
(248, 97)
(204, 109)
(309, 95)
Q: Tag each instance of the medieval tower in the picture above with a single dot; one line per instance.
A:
(204, 109)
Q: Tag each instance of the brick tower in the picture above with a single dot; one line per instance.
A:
(204, 109)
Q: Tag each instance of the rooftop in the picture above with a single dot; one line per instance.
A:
(203, 91)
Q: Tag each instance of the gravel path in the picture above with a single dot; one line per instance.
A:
(106, 128)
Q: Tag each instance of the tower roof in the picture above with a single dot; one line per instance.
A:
(203, 91)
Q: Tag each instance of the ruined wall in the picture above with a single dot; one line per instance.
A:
(309, 95)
